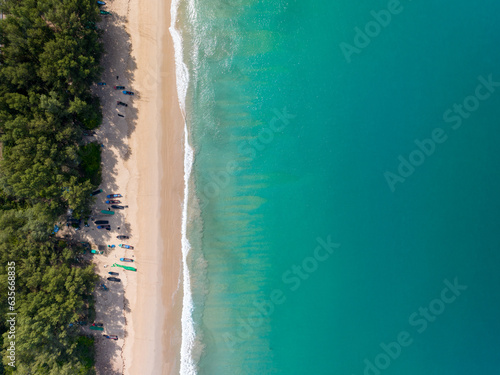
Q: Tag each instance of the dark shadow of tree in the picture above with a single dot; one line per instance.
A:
(113, 134)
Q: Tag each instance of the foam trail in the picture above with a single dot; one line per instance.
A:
(181, 70)
(187, 365)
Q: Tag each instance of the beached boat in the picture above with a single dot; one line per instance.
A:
(126, 246)
(114, 196)
(101, 2)
(104, 12)
(122, 237)
(125, 267)
(105, 212)
(96, 192)
(126, 260)
(96, 328)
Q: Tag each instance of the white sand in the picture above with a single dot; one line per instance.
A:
(143, 160)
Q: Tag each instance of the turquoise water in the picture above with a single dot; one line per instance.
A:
(306, 258)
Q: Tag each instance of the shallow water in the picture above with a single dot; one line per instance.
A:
(334, 198)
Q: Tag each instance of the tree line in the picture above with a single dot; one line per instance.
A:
(50, 54)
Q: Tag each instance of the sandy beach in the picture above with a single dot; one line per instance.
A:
(143, 160)
(154, 333)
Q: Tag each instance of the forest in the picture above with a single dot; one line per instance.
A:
(50, 55)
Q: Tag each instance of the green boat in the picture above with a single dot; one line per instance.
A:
(105, 212)
(104, 12)
(96, 328)
(125, 267)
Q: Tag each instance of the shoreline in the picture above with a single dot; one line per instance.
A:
(153, 328)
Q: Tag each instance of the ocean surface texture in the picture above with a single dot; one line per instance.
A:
(343, 212)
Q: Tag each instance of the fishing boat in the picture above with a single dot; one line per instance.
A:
(101, 3)
(126, 246)
(96, 192)
(126, 260)
(125, 267)
(105, 212)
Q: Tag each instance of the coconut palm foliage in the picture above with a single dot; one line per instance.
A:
(49, 59)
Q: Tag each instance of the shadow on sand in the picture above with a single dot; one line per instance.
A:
(113, 135)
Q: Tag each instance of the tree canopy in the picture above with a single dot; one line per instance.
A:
(50, 53)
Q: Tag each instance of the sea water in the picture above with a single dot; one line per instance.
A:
(342, 186)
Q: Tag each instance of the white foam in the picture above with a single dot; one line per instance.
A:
(187, 363)
(188, 367)
(181, 70)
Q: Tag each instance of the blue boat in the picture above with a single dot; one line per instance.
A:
(101, 3)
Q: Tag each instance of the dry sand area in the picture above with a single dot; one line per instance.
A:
(142, 159)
